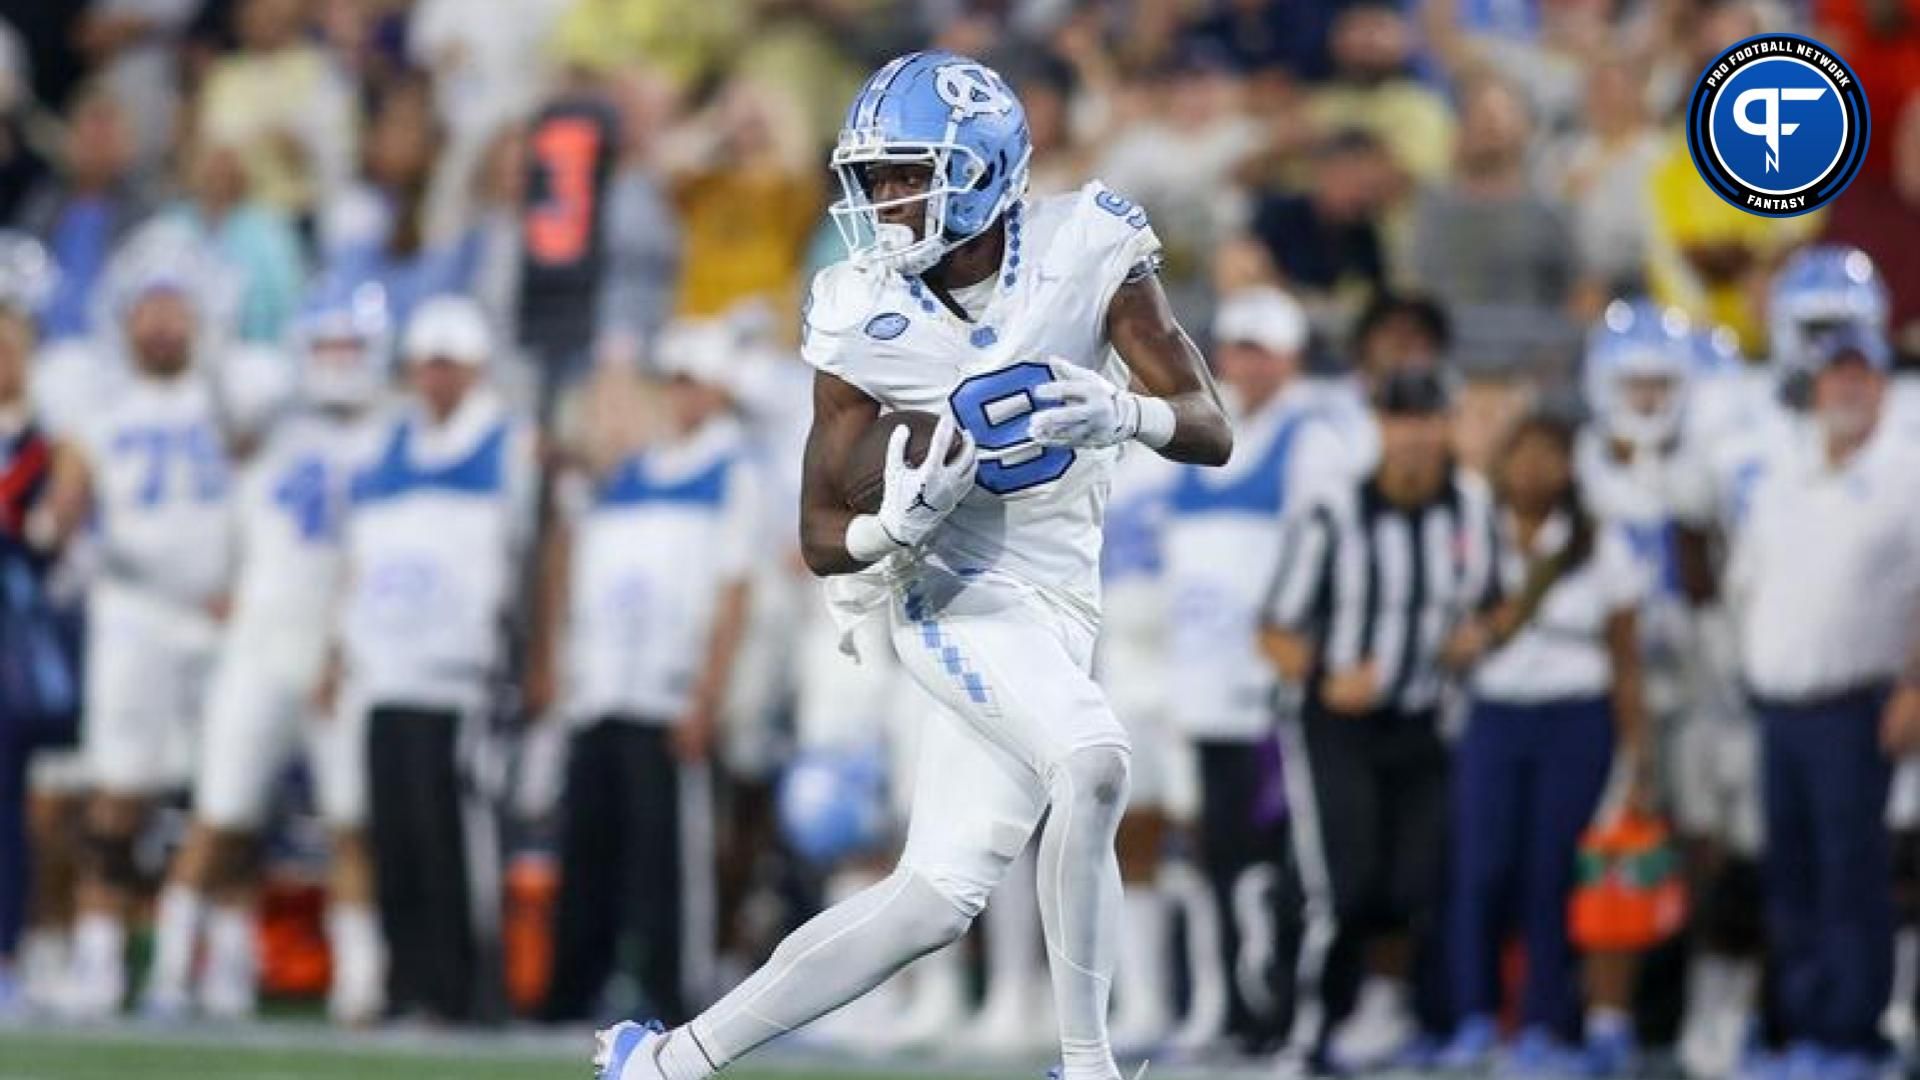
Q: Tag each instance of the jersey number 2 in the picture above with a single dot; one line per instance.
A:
(994, 408)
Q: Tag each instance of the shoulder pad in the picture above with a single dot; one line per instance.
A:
(1111, 220)
(839, 303)
(1101, 234)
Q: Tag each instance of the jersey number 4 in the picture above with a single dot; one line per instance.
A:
(994, 408)
(303, 492)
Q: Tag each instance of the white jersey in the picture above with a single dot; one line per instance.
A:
(1733, 420)
(161, 478)
(1903, 407)
(438, 522)
(1035, 515)
(655, 541)
(1223, 546)
(1646, 500)
(1132, 652)
(292, 506)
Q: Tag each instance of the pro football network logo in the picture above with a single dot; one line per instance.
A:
(1778, 125)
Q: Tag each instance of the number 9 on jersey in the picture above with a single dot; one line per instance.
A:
(994, 408)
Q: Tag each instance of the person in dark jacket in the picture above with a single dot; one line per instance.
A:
(38, 688)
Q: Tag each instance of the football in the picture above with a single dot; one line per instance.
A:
(866, 466)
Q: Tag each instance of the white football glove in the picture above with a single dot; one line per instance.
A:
(917, 498)
(1091, 411)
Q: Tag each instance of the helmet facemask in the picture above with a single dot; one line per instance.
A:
(956, 172)
(1644, 398)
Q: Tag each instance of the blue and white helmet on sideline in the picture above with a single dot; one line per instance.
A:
(832, 804)
(344, 339)
(1632, 350)
(958, 117)
(28, 273)
(1819, 289)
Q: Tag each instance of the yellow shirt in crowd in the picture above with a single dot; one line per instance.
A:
(684, 39)
(290, 116)
(744, 234)
(1686, 213)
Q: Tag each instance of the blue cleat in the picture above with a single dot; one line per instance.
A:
(1537, 1054)
(1471, 1047)
(615, 1046)
(1800, 1061)
(1856, 1065)
(1806, 1061)
(1612, 1053)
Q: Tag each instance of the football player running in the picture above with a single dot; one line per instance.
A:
(1024, 324)
(292, 495)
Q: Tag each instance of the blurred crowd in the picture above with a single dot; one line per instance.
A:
(518, 284)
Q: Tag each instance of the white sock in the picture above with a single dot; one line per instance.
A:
(43, 960)
(1390, 993)
(838, 955)
(359, 961)
(100, 951)
(176, 933)
(99, 941)
(1143, 962)
(1608, 1020)
(1080, 902)
(353, 936)
(231, 960)
(1742, 983)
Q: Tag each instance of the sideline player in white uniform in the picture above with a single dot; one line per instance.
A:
(1664, 394)
(152, 469)
(1004, 316)
(289, 502)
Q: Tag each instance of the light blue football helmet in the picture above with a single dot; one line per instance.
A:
(28, 273)
(1819, 289)
(1638, 342)
(958, 117)
(833, 804)
(343, 337)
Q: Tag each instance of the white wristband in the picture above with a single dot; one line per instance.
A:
(867, 539)
(1156, 421)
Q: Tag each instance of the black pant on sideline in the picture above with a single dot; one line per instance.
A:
(620, 869)
(1375, 815)
(1828, 866)
(420, 860)
(1248, 860)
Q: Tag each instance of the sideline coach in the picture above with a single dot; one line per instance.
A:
(1826, 573)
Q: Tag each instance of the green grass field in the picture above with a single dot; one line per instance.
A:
(79, 1055)
(305, 1050)
(275, 1053)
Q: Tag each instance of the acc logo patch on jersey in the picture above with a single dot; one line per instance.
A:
(886, 326)
(1778, 125)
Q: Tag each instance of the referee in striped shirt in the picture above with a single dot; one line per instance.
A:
(1376, 572)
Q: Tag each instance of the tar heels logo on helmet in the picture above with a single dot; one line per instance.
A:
(1778, 125)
